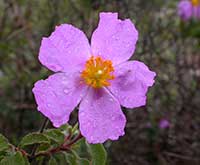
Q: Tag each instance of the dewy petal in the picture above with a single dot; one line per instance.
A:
(114, 39)
(66, 48)
(58, 95)
(185, 9)
(100, 116)
(196, 12)
(131, 83)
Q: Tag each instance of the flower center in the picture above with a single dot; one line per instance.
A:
(195, 2)
(98, 72)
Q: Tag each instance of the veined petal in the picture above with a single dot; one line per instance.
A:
(131, 83)
(185, 9)
(58, 95)
(100, 117)
(66, 48)
(196, 12)
(114, 39)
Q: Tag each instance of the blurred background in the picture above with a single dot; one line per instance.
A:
(166, 131)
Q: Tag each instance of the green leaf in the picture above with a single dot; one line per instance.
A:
(75, 128)
(74, 159)
(98, 154)
(26, 161)
(43, 147)
(79, 160)
(83, 161)
(60, 158)
(66, 129)
(4, 145)
(52, 161)
(55, 135)
(16, 159)
(71, 159)
(34, 138)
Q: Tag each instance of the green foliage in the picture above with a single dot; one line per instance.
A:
(83, 161)
(55, 135)
(74, 159)
(4, 145)
(55, 146)
(98, 154)
(71, 159)
(52, 161)
(43, 147)
(14, 159)
(34, 138)
(166, 46)
(190, 29)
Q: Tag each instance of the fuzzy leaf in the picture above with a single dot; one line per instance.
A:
(34, 138)
(4, 145)
(52, 161)
(55, 135)
(71, 159)
(83, 161)
(16, 159)
(43, 147)
(98, 154)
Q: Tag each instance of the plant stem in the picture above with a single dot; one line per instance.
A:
(44, 125)
(63, 147)
(41, 130)
(79, 136)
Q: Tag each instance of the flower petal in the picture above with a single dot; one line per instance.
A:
(131, 83)
(196, 12)
(58, 95)
(100, 117)
(67, 47)
(114, 39)
(185, 10)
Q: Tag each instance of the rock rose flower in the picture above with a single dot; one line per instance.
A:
(188, 9)
(164, 123)
(96, 76)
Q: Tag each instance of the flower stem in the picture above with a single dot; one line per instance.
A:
(44, 125)
(41, 130)
(79, 136)
(63, 147)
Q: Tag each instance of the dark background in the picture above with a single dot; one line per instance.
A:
(175, 97)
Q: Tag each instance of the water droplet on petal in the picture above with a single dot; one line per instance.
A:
(56, 67)
(65, 81)
(66, 91)
(81, 94)
(82, 114)
(86, 101)
(112, 118)
(113, 137)
(111, 99)
(92, 138)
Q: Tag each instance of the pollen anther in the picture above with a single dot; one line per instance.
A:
(195, 2)
(98, 72)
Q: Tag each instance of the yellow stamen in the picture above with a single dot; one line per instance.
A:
(98, 72)
(195, 2)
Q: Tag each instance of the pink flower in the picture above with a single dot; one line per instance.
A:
(188, 9)
(96, 76)
(164, 123)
